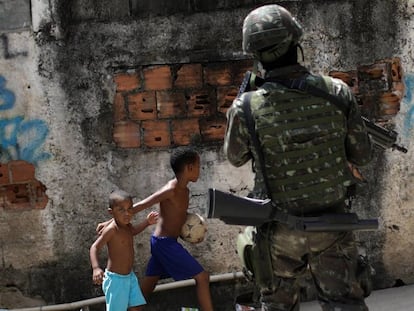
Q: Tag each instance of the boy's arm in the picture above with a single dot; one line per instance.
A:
(101, 241)
(151, 219)
(102, 225)
(155, 198)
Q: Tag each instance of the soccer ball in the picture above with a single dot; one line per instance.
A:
(194, 228)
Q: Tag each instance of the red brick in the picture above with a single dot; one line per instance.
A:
(185, 131)
(126, 81)
(218, 75)
(171, 104)
(396, 70)
(142, 106)
(399, 88)
(212, 129)
(156, 133)
(389, 104)
(17, 196)
(201, 102)
(189, 76)
(120, 113)
(127, 134)
(374, 71)
(369, 105)
(240, 68)
(4, 174)
(375, 78)
(158, 78)
(21, 171)
(24, 196)
(225, 97)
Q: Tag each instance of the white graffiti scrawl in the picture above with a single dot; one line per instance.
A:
(20, 139)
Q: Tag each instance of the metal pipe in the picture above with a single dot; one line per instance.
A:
(158, 288)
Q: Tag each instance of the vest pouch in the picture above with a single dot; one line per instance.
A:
(261, 257)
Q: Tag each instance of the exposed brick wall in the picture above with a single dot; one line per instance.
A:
(170, 105)
(379, 88)
(19, 188)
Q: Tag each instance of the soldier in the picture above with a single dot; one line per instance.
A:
(307, 144)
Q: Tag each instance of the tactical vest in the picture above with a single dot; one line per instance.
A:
(302, 138)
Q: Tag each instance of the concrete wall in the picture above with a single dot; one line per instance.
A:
(94, 95)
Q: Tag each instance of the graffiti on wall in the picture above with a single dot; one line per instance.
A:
(20, 138)
(6, 49)
(408, 100)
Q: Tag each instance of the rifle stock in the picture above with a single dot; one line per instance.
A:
(235, 210)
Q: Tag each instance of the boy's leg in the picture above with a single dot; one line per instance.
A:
(179, 264)
(148, 284)
(203, 291)
(153, 273)
(136, 298)
(116, 290)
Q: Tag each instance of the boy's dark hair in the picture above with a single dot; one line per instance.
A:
(181, 157)
(118, 196)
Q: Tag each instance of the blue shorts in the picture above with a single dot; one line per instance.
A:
(121, 291)
(170, 259)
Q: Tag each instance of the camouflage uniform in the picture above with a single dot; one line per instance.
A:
(307, 143)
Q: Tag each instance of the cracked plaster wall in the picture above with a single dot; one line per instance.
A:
(68, 58)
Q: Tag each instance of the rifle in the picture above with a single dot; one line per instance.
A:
(236, 210)
(380, 136)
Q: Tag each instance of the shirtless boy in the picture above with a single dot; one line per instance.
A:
(119, 282)
(169, 258)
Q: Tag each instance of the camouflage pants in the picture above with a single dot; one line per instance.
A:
(332, 259)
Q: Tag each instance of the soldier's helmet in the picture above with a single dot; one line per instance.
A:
(269, 31)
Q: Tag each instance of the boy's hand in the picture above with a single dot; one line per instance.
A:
(102, 225)
(97, 276)
(152, 218)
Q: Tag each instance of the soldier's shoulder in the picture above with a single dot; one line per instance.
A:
(339, 87)
(338, 82)
(246, 97)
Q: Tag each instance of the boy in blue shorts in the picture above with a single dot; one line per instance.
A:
(169, 258)
(119, 283)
